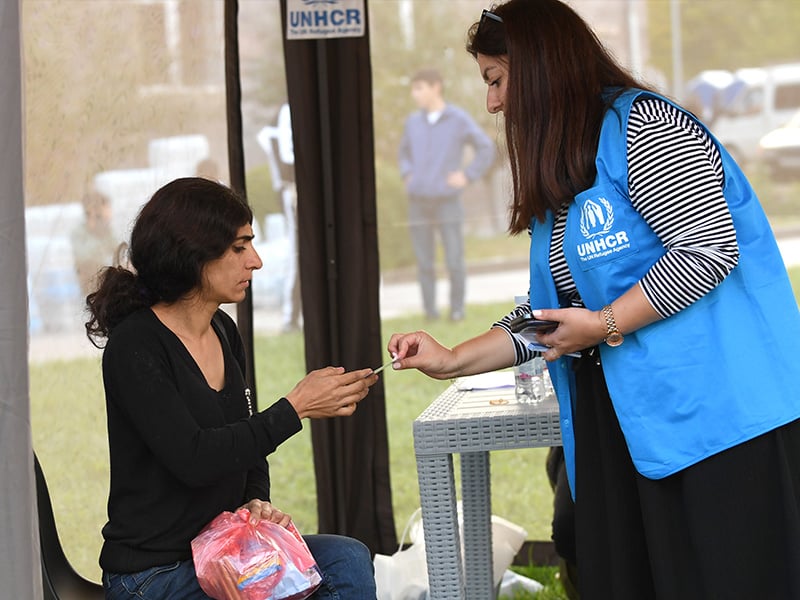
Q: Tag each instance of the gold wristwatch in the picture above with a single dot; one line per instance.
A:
(613, 336)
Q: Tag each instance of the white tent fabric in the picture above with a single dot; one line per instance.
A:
(19, 539)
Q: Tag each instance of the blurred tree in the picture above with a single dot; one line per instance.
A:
(101, 81)
(725, 34)
(103, 78)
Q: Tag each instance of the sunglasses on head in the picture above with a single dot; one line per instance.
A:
(488, 14)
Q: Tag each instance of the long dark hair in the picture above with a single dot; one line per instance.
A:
(558, 71)
(185, 225)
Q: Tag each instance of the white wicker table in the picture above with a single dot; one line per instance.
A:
(471, 423)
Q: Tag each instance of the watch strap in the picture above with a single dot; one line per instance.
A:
(613, 335)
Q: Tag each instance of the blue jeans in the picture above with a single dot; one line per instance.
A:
(345, 563)
(425, 217)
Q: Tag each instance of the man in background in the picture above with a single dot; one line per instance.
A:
(278, 143)
(432, 164)
(93, 244)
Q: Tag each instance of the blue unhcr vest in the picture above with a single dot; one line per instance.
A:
(720, 372)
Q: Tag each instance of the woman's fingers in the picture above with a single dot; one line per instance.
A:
(331, 392)
(402, 345)
(261, 510)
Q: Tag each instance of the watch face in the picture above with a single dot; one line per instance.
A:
(614, 339)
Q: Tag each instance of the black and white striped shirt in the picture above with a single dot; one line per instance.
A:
(675, 182)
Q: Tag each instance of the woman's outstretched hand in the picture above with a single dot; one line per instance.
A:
(419, 350)
(330, 392)
(488, 351)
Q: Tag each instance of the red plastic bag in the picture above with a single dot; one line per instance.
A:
(235, 560)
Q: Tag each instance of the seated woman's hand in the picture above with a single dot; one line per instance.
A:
(261, 510)
(330, 392)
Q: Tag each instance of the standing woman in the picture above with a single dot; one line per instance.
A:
(184, 440)
(650, 249)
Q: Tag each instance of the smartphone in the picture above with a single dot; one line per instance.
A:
(527, 322)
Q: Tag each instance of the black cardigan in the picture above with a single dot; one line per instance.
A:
(180, 451)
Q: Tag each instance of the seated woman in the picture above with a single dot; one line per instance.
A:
(184, 440)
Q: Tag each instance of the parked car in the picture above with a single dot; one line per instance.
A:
(704, 94)
(779, 150)
(758, 101)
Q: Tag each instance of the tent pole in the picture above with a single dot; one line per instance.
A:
(20, 566)
(233, 94)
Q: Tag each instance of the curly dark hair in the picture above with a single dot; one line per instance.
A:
(185, 225)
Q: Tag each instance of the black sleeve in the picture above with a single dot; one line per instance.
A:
(258, 482)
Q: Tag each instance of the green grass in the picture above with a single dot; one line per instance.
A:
(407, 395)
(548, 577)
(69, 434)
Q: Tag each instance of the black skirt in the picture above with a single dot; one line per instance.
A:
(725, 528)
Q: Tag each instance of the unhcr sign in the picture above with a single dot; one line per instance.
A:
(312, 19)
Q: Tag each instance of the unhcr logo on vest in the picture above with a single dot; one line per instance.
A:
(313, 19)
(597, 220)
